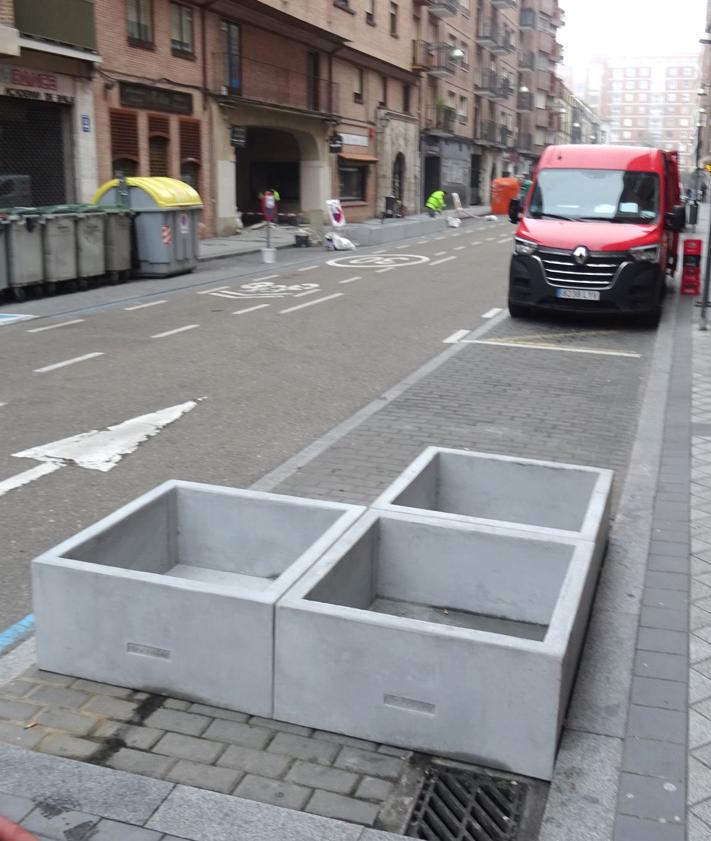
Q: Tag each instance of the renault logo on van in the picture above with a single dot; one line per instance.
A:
(581, 255)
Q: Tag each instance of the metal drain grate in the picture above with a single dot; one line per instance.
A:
(457, 805)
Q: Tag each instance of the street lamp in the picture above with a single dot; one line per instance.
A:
(706, 40)
(455, 53)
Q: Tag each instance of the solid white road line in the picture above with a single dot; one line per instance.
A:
(308, 292)
(459, 247)
(173, 332)
(66, 362)
(439, 253)
(594, 352)
(266, 277)
(443, 260)
(351, 279)
(250, 309)
(54, 326)
(149, 304)
(307, 268)
(311, 303)
(28, 476)
(215, 289)
(230, 295)
(491, 313)
(455, 338)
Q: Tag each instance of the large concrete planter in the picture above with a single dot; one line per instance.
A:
(448, 638)
(546, 497)
(175, 592)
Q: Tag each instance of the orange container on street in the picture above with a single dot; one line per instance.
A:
(502, 191)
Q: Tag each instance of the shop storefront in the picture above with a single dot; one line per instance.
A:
(447, 166)
(47, 141)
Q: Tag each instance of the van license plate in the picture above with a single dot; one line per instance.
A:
(579, 294)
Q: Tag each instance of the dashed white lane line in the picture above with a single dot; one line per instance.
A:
(476, 242)
(308, 292)
(42, 469)
(2, 404)
(351, 279)
(307, 268)
(492, 312)
(380, 251)
(173, 332)
(250, 309)
(67, 362)
(490, 239)
(230, 295)
(421, 242)
(400, 247)
(440, 237)
(502, 241)
(215, 289)
(149, 304)
(455, 338)
(443, 260)
(459, 247)
(266, 277)
(311, 303)
(54, 326)
(439, 253)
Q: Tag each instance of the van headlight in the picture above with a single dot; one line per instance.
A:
(524, 246)
(646, 253)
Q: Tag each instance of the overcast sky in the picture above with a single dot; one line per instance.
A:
(630, 27)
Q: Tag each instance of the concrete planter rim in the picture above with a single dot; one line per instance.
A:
(560, 626)
(589, 528)
(60, 555)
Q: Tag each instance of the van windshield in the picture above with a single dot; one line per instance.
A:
(607, 195)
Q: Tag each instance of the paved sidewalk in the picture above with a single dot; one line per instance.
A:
(372, 232)
(606, 410)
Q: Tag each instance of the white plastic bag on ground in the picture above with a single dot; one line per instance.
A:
(491, 218)
(453, 222)
(335, 242)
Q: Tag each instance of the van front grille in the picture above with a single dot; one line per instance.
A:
(598, 272)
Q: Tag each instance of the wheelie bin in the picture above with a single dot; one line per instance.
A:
(165, 222)
(91, 249)
(117, 242)
(59, 247)
(25, 263)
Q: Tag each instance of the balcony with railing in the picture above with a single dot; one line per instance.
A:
(435, 59)
(441, 8)
(525, 101)
(546, 42)
(525, 142)
(527, 60)
(558, 52)
(493, 133)
(504, 4)
(505, 44)
(64, 22)
(544, 81)
(487, 35)
(440, 118)
(281, 87)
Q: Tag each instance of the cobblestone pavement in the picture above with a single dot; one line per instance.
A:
(699, 697)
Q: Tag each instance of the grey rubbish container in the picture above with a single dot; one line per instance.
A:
(117, 233)
(24, 250)
(165, 222)
(59, 246)
(91, 259)
(4, 276)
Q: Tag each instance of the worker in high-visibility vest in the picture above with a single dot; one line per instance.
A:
(436, 203)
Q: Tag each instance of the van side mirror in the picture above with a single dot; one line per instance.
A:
(515, 210)
(675, 219)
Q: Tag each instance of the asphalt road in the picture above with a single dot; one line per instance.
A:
(277, 356)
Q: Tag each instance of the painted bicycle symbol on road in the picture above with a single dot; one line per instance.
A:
(266, 289)
(379, 261)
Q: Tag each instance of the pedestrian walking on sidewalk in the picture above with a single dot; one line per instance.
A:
(436, 203)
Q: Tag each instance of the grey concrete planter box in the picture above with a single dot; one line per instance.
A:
(448, 638)
(546, 497)
(175, 592)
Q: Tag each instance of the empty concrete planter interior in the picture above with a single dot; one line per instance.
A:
(175, 592)
(482, 487)
(438, 636)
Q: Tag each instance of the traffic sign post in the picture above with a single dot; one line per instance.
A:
(270, 213)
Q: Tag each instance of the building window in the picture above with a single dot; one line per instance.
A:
(406, 92)
(384, 92)
(393, 20)
(231, 60)
(124, 142)
(463, 110)
(181, 30)
(139, 20)
(464, 61)
(370, 12)
(158, 145)
(353, 180)
(190, 152)
(358, 84)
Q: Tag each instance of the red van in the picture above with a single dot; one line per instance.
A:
(599, 232)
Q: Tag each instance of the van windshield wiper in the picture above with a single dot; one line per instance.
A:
(551, 216)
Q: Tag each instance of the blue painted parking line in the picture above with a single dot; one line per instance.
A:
(11, 317)
(16, 632)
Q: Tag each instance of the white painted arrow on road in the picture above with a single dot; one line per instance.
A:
(99, 449)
